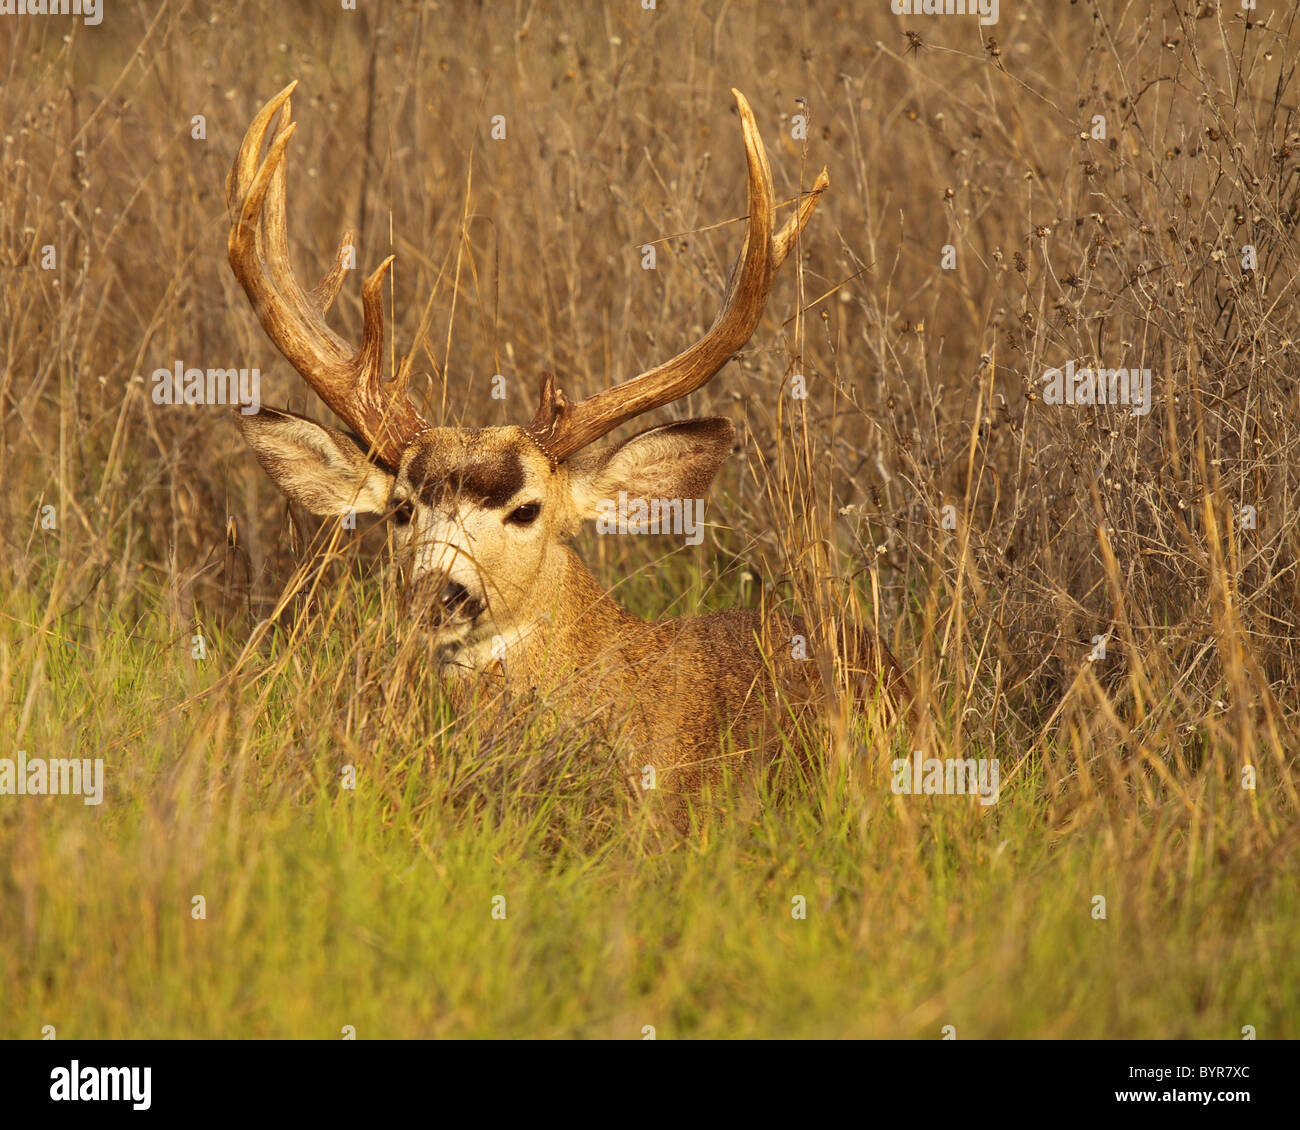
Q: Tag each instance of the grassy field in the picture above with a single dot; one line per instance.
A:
(299, 831)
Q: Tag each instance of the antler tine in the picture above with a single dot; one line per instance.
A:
(244, 169)
(350, 382)
(560, 428)
(328, 288)
(789, 234)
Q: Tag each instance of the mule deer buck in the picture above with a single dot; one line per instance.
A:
(483, 516)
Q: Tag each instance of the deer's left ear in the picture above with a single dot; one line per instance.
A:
(322, 468)
(671, 461)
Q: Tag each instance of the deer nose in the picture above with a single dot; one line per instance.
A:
(456, 598)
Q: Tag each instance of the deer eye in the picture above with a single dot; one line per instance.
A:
(403, 511)
(524, 515)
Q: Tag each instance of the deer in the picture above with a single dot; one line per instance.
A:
(481, 519)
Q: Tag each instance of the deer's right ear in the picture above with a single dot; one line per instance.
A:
(676, 460)
(321, 468)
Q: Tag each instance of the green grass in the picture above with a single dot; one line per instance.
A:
(373, 907)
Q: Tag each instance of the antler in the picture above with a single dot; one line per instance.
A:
(348, 381)
(560, 428)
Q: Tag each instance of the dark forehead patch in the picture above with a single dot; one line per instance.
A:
(487, 478)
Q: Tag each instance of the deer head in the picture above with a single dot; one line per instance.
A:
(481, 515)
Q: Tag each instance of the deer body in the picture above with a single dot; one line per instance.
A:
(482, 517)
(692, 697)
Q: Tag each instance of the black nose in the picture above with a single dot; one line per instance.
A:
(455, 598)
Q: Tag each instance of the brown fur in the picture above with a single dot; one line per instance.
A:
(693, 696)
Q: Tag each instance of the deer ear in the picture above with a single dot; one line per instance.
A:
(322, 468)
(672, 461)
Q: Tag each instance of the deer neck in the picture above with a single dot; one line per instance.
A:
(585, 615)
(570, 624)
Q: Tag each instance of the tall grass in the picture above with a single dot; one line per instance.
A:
(922, 486)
